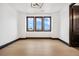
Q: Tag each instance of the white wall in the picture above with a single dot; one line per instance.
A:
(13, 25)
(22, 26)
(60, 24)
(8, 24)
(64, 23)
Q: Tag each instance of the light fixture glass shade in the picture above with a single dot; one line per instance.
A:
(36, 5)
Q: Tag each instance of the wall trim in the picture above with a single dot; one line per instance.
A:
(7, 44)
(63, 42)
(35, 38)
(38, 37)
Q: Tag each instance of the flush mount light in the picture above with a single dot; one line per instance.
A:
(36, 5)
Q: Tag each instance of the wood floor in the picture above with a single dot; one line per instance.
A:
(39, 47)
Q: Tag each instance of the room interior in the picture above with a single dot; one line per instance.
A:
(14, 28)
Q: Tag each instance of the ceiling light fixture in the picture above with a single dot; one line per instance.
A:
(36, 5)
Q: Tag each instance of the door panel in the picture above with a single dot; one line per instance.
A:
(75, 27)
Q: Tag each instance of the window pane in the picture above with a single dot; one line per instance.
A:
(30, 24)
(46, 23)
(38, 23)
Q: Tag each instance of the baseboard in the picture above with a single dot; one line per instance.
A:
(63, 42)
(35, 38)
(54, 38)
(22, 38)
(38, 38)
(7, 44)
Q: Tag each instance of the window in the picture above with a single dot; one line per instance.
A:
(30, 23)
(38, 23)
(46, 23)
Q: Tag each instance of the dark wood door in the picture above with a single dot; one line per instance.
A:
(75, 26)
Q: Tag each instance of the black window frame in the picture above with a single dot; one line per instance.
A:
(34, 24)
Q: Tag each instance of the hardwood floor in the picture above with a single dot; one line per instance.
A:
(39, 47)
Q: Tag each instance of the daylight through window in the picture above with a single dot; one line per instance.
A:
(38, 23)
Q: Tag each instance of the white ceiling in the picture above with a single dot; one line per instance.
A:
(46, 8)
